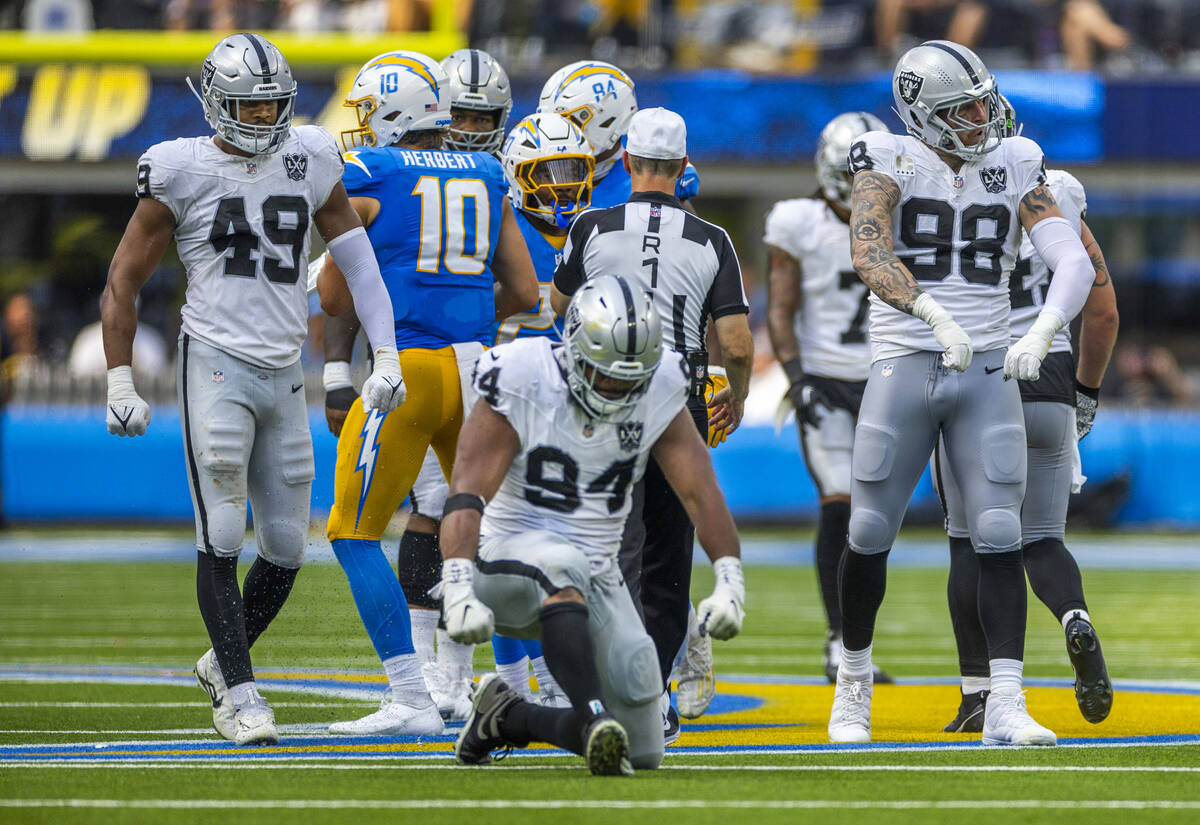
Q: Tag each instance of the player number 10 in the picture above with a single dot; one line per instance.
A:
(453, 194)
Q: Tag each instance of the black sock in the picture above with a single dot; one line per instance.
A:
(1002, 603)
(862, 580)
(419, 568)
(1054, 576)
(525, 722)
(221, 608)
(962, 594)
(831, 542)
(264, 591)
(570, 655)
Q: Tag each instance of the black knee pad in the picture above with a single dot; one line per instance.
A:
(419, 568)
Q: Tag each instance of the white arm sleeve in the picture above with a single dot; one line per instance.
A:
(354, 256)
(1058, 244)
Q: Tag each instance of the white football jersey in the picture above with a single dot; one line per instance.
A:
(241, 228)
(1031, 277)
(573, 474)
(958, 233)
(831, 324)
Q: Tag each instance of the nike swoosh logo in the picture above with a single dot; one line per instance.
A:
(297, 387)
(990, 370)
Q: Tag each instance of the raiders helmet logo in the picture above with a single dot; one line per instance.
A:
(995, 178)
(629, 433)
(296, 166)
(909, 85)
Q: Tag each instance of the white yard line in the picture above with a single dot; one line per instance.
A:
(408, 764)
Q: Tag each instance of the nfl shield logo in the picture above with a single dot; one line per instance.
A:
(296, 166)
(909, 85)
(994, 178)
(630, 435)
(251, 168)
(218, 376)
(886, 371)
(958, 182)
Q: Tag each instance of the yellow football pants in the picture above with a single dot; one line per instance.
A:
(380, 454)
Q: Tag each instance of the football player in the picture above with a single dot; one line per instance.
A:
(817, 320)
(553, 446)
(935, 226)
(240, 206)
(549, 165)
(454, 261)
(1059, 408)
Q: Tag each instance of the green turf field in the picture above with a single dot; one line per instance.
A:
(143, 615)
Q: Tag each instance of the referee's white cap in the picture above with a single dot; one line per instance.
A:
(657, 133)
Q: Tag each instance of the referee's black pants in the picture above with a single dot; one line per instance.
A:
(656, 555)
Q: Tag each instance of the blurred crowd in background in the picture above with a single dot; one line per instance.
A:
(1119, 36)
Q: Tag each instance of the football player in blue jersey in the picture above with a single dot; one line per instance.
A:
(454, 262)
(549, 164)
(599, 98)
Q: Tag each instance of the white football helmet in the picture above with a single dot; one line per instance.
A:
(931, 82)
(549, 166)
(832, 148)
(395, 93)
(246, 68)
(477, 81)
(598, 98)
(611, 328)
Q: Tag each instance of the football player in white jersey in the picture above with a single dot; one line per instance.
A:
(935, 227)
(817, 320)
(1059, 409)
(240, 205)
(559, 436)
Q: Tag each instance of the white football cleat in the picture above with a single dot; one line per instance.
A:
(550, 695)
(395, 718)
(256, 725)
(1007, 722)
(697, 681)
(850, 720)
(451, 692)
(208, 674)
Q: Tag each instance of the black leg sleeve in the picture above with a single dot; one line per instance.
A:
(264, 591)
(1054, 576)
(526, 722)
(962, 595)
(221, 608)
(419, 568)
(1002, 604)
(862, 581)
(831, 541)
(570, 655)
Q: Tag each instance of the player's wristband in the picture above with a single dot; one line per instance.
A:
(793, 370)
(336, 375)
(1091, 392)
(463, 501)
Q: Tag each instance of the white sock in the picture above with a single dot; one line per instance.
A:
(1072, 615)
(404, 675)
(974, 684)
(516, 676)
(1006, 675)
(424, 626)
(856, 663)
(541, 672)
(245, 694)
(454, 657)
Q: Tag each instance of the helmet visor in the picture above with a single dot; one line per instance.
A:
(558, 185)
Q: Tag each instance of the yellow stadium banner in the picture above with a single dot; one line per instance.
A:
(190, 48)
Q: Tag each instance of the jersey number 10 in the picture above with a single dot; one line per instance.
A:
(444, 207)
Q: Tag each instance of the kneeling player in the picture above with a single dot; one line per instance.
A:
(557, 440)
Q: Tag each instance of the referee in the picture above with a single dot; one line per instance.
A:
(689, 267)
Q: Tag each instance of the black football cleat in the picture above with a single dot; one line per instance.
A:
(481, 732)
(1093, 688)
(606, 747)
(970, 714)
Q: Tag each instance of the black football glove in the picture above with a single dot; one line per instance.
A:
(1086, 401)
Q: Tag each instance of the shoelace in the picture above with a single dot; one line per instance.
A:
(856, 692)
(501, 753)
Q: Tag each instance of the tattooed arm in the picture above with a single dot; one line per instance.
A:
(1037, 205)
(872, 200)
(1098, 327)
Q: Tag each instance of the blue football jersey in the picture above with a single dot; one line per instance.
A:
(614, 189)
(435, 236)
(539, 319)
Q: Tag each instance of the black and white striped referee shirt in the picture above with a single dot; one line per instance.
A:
(686, 263)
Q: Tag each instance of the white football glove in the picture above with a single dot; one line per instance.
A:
(128, 413)
(721, 614)
(384, 389)
(1024, 358)
(949, 334)
(468, 620)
